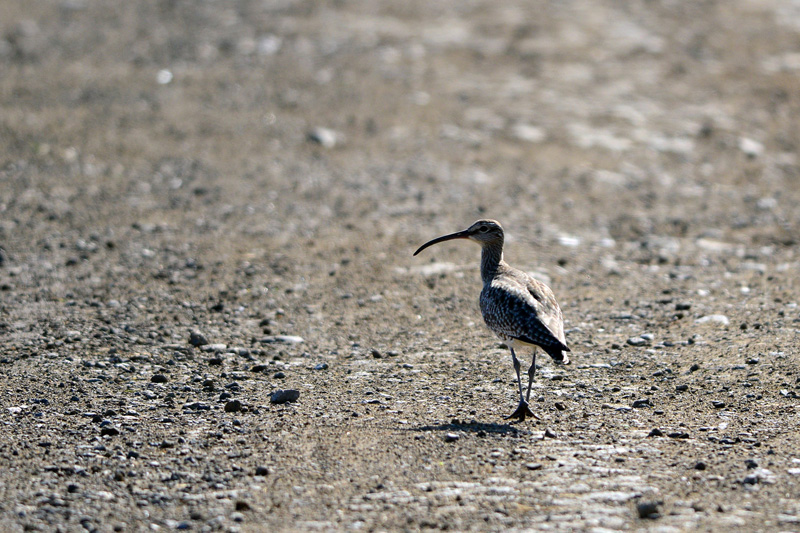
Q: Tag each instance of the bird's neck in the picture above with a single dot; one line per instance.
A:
(491, 257)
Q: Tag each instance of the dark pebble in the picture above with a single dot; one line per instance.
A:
(242, 505)
(321, 366)
(278, 375)
(638, 404)
(560, 406)
(750, 480)
(683, 306)
(648, 510)
(549, 433)
(655, 432)
(718, 404)
(284, 396)
(262, 471)
(197, 339)
(752, 361)
(681, 388)
(533, 466)
(258, 368)
(215, 361)
(451, 437)
(233, 406)
(750, 464)
(678, 435)
(110, 431)
(376, 354)
(700, 465)
(694, 368)
(159, 378)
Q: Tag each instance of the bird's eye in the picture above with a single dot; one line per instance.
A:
(483, 229)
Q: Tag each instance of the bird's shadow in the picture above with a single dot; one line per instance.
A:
(481, 429)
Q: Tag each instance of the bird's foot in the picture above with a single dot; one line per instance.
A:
(523, 411)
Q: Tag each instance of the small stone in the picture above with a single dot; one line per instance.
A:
(718, 319)
(321, 366)
(284, 396)
(750, 147)
(159, 378)
(678, 435)
(549, 433)
(258, 368)
(325, 137)
(233, 406)
(750, 464)
(752, 361)
(242, 505)
(638, 404)
(648, 510)
(683, 306)
(281, 339)
(376, 354)
(694, 368)
(700, 465)
(637, 341)
(682, 388)
(279, 375)
(262, 471)
(533, 466)
(718, 404)
(197, 339)
(560, 406)
(655, 432)
(451, 437)
(110, 431)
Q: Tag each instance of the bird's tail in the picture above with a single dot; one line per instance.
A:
(559, 355)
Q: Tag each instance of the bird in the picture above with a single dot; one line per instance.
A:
(516, 307)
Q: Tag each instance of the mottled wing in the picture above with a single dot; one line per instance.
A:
(517, 306)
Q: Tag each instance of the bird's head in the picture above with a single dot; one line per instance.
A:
(484, 232)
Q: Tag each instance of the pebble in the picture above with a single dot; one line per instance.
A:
(262, 471)
(648, 510)
(641, 403)
(110, 431)
(718, 404)
(700, 465)
(325, 137)
(533, 466)
(678, 435)
(637, 341)
(197, 339)
(321, 366)
(549, 433)
(159, 378)
(284, 396)
(279, 375)
(233, 406)
(655, 432)
(215, 348)
(718, 319)
(451, 437)
(283, 339)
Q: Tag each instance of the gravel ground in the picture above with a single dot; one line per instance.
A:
(203, 204)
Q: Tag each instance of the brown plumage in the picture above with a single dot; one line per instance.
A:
(518, 308)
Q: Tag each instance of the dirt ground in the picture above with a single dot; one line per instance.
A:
(202, 203)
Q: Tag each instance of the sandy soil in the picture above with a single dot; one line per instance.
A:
(202, 203)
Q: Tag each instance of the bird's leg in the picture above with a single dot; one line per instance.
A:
(531, 372)
(522, 409)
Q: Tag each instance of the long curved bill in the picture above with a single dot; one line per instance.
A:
(457, 235)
